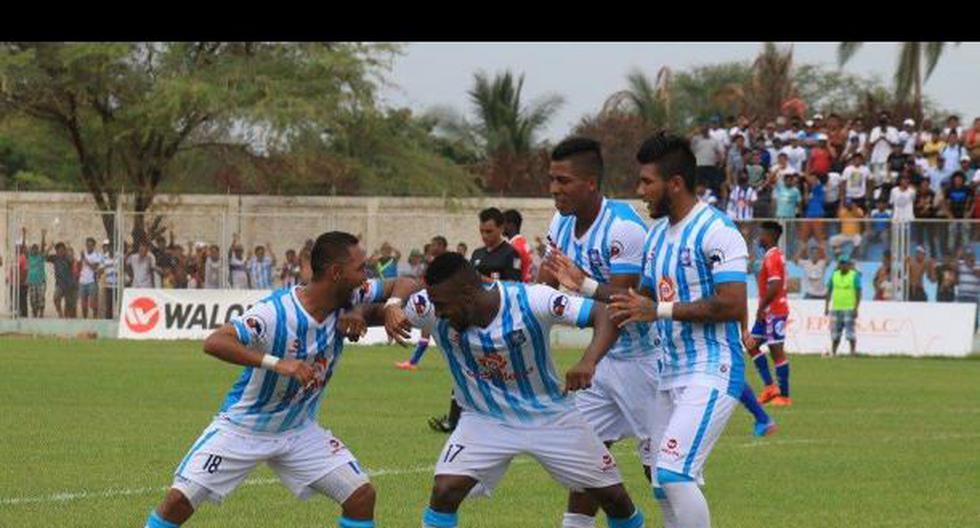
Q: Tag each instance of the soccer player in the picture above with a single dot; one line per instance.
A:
(512, 230)
(602, 241)
(495, 337)
(770, 319)
(693, 286)
(437, 246)
(290, 345)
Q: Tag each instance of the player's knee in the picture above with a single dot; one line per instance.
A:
(176, 507)
(360, 504)
(615, 501)
(447, 494)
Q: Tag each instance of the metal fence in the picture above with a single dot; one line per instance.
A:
(932, 274)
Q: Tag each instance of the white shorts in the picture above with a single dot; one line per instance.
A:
(620, 402)
(694, 416)
(224, 455)
(567, 447)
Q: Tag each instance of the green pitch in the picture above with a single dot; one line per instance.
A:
(90, 433)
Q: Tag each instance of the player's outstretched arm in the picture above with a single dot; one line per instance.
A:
(604, 335)
(567, 274)
(224, 344)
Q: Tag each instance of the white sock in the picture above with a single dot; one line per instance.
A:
(688, 505)
(577, 520)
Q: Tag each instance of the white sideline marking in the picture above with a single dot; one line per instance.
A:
(112, 492)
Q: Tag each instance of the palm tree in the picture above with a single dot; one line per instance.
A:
(503, 123)
(772, 80)
(908, 74)
(649, 101)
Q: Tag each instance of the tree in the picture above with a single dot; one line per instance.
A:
(771, 83)
(908, 72)
(129, 110)
(649, 101)
(504, 131)
(620, 134)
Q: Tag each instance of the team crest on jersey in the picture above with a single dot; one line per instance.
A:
(493, 365)
(558, 305)
(256, 325)
(608, 462)
(293, 346)
(421, 304)
(615, 249)
(666, 290)
(685, 257)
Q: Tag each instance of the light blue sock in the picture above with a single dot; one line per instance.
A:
(634, 521)
(419, 351)
(155, 521)
(434, 519)
(351, 523)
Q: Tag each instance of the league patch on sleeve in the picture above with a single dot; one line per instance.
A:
(255, 325)
(716, 256)
(558, 305)
(421, 304)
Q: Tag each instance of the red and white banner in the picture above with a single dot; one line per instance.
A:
(181, 314)
(883, 328)
(194, 314)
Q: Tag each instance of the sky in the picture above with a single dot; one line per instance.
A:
(439, 74)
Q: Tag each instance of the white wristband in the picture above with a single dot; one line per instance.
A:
(665, 310)
(588, 287)
(269, 362)
(393, 301)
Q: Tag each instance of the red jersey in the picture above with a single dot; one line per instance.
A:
(774, 267)
(524, 251)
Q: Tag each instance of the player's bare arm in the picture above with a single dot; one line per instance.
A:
(728, 304)
(773, 287)
(396, 291)
(223, 344)
(573, 278)
(604, 335)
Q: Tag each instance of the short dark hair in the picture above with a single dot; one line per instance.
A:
(447, 266)
(513, 216)
(441, 239)
(774, 228)
(330, 248)
(492, 213)
(673, 156)
(584, 153)
(89, 239)
(958, 173)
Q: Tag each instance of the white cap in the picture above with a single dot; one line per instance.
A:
(809, 123)
(909, 122)
(817, 116)
(105, 241)
(821, 137)
(965, 157)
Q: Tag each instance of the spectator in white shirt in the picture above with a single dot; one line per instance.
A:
(832, 194)
(855, 178)
(741, 199)
(881, 140)
(953, 125)
(902, 200)
(907, 137)
(141, 266)
(90, 261)
(814, 264)
(795, 154)
(857, 131)
(951, 155)
(260, 268)
(718, 133)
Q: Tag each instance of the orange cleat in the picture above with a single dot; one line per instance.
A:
(406, 365)
(768, 394)
(782, 401)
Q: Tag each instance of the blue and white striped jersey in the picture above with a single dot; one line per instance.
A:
(613, 245)
(505, 371)
(263, 401)
(684, 263)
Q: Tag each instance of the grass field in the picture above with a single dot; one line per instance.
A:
(92, 431)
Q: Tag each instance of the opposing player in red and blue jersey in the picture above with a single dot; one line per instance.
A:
(770, 323)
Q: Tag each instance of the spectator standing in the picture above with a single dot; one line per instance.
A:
(741, 200)
(787, 196)
(953, 126)
(813, 211)
(972, 140)
(856, 178)
(908, 137)
(844, 297)
(850, 227)
(882, 139)
(880, 220)
(832, 194)
(109, 277)
(461, 248)
(968, 280)
(237, 273)
(709, 154)
(141, 266)
(291, 270)
(36, 274)
(212, 268)
(260, 268)
(735, 161)
(918, 266)
(957, 205)
(89, 263)
(884, 287)
(945, 275)
(386, 260)
(820, 159)
(814, 267)
(62, 278)
(932, 147)
(902, 200)
(951, 155)
(927, 233)
(795, 154)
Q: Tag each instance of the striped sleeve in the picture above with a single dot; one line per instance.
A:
(727, 254)
(255, 325)
(554, 307)
(626, 241)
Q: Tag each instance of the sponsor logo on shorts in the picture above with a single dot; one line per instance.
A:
(608, 462)
(336, 446)
(670, 448)
(615, 249)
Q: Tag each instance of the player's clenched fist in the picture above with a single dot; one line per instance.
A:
(580, 376)
(632, 307)
(397, 325)
(292, 368)
(352, 325)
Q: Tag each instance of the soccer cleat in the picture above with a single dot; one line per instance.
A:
(440, 425)
(768, 394)
(765, 428)
(782, 401)
(406, 365)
